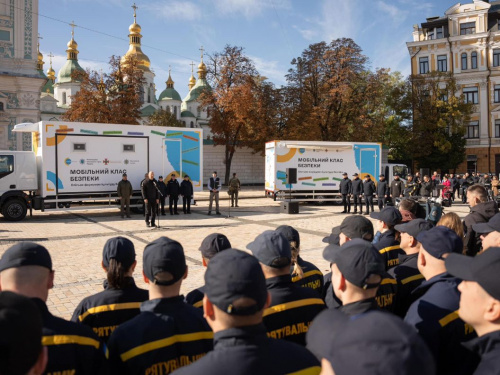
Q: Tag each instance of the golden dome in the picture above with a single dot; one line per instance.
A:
(170, 81)
(135, 28)
(40, 57)
(72, 44)
(51, 74)
(134, 48)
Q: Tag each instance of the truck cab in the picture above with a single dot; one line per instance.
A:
(390, 170)
(18, 179)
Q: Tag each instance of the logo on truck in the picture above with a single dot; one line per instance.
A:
(67, 161)
(106, 161)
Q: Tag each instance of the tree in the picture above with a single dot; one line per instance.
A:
(164, 118)
(113, 98)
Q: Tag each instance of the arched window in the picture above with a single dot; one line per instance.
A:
(473, 60)
(1, 107)
(192, 124)
(464, 61)
(175, 111)
(64, 98)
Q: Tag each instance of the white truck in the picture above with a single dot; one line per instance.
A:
(320, 166)
(78, 165)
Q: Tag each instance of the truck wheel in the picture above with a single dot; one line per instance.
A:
(14, 209)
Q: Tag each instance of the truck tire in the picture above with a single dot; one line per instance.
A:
(14, 209)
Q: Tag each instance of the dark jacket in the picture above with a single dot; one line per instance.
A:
(331, 300)
(357, 186)
(425, 188)
(149, 192)
(345, 186)
(454, 183)
(186, 188)
(481, 213)
(73, 348)
(195, 297)
(382, 189)
(488, 348)
(162, 187)
(106, 310)
(411, 189)
(359, 307)
(160, 319)
(397, 188)
(369, 188)
(124, 189)
(284, 321)
(312, 278)
(248, 351)
(173, 187)
(434, 315)
(389, 248)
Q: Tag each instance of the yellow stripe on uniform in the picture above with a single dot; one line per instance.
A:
(390, 248)
(293, 305)
(69, 339)
(315, 370)
(388, 281)
(158, 344)
(307, 274)
(114, 307)
(198, 304)
(412, 278)
(449, 318)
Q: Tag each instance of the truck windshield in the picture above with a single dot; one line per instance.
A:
(402, 170)
(6, 165)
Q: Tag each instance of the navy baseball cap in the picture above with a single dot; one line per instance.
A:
(25, 254)
(21, 338)
(344, 174)
(484, 269)
(290, 233)
(357, 260)
(355, 174)
(357, 227)
(491, 226)
(334, 237)
(233, 275)
(213, 244)
(270, 246)
(440, 240)
(389, 215)
(379, 343)
(323, 329)
(414, 227)
(121, 249)
(160, 178)
(124, 175)
(164, 255)
(381, 175)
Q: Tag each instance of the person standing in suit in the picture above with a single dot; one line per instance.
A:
(214, 186)
(187, 194)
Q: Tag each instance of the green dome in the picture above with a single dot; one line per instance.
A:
(48, 87)
(170, 94)
(194, 94)
(187, 114)
(67, 70)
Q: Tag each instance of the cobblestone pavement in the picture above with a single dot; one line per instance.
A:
(75, 239)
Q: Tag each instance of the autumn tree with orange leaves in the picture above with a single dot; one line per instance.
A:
(113, 98)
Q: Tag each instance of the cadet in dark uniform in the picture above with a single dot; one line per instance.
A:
(357, 193)
(382, 192)
(21, 339)
(292, 308)
(26, 269)
(396, 188)
(303, 273)
(480, 293)
(369, 190)
(406, 273)
(387, 244)
(168, 333)
(163, 190)
(186, 191)
(212, 245)
(234, 304)
(345, 190)
(121, 299)
(434, 313)
(411, 188)
(173, 194)
(151, 198)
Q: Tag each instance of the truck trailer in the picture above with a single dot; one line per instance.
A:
(319, 167)
(78, 165)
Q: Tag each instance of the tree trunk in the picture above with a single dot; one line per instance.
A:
(228, 160)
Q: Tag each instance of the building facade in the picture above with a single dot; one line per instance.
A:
(466, 42)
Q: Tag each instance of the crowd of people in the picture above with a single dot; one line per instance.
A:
(403, 296)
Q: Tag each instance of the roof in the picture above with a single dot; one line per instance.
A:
(187, 114)
(170, 94)
(48, 87)
(67, 70)
(194, 94)
(148, 111)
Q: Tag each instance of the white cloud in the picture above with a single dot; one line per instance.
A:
(175, 10)
(249, 8)
(307, 34)
(396, 13)
(341, 19)
(270, 69)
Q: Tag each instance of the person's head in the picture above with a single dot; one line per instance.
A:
(214, 174)
(417, 174)
(355, 176)
(489, 232)
(293, 237)
(357, 269)
(451, 175)
(172, 176)
(151, 175)
(118, 261)
(21, 350)
(212, 245)
(344, 175)
(26, 268)
(479, 290)
(124, 177)
(426, 178)
(408, 205)
(476, 194)
(452, 221)
(186, 177)
(381, 177)
(146, 176)
(234, 174)
(160, 178)
(396, 177)
(164, 267)
(387, 218)
(367, 177)
(445, 178)
(435, 245)
(235, 291)
(273, 251)
(409, 232)
(467, 174)
(409, 178)
(354, 227)
(435, 173)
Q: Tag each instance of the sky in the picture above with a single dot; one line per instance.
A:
(272, 32)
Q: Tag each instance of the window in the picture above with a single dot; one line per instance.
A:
(471, 95)
(496, 57)
(440, 32)
(473, 60)
(128, 148)
(192, 124)
(497, 128)
(497, 93)
(442, 63)
(424, 65)
(64, 98)
(430, 34)
(498, 24)
(1, 107)
(175, 111)
(464, 61)
(467, 28)
(472, 130)
(6, 165)
(79, 146)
